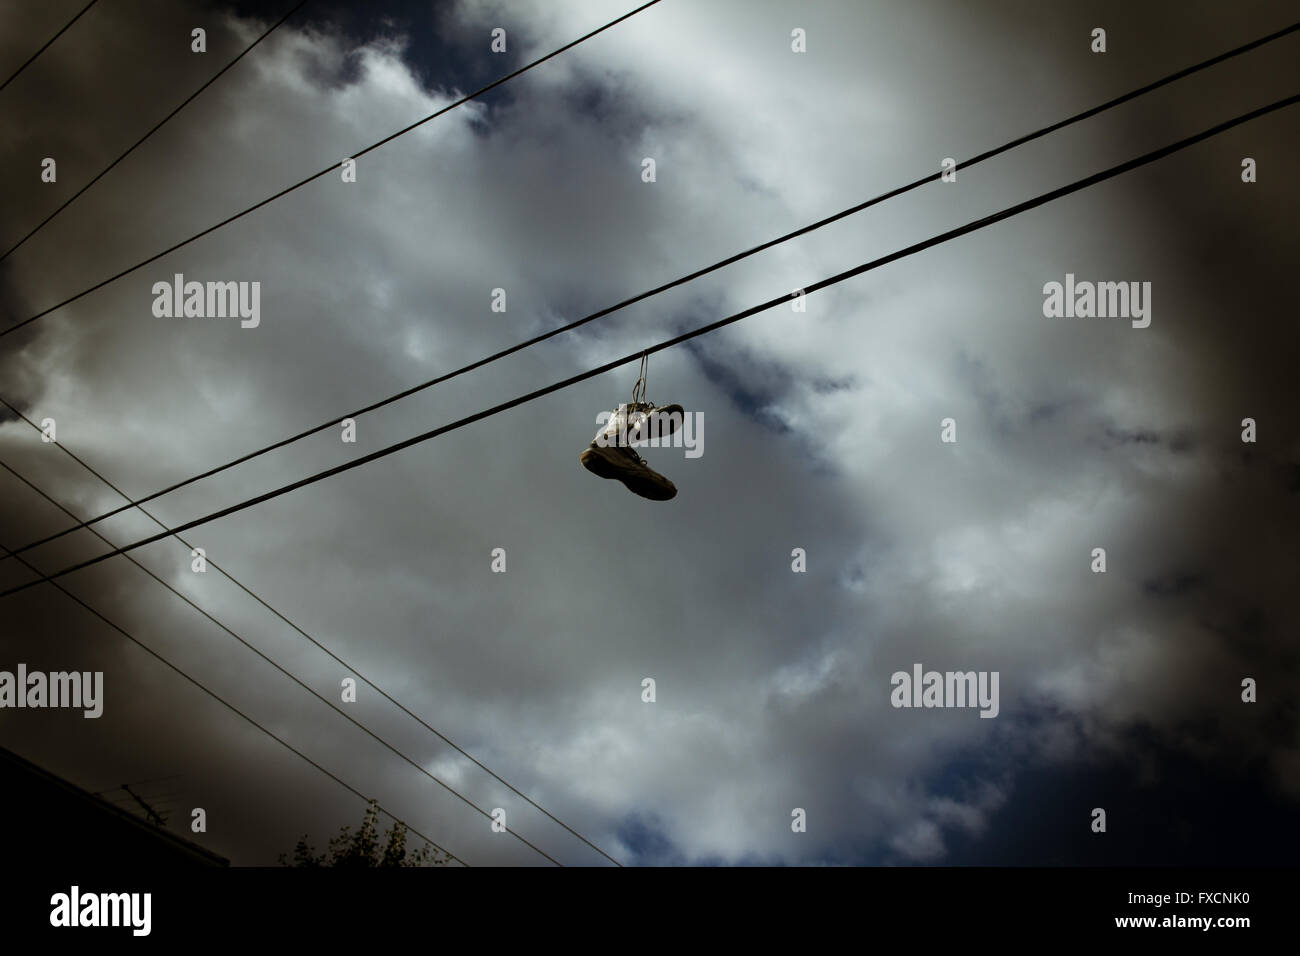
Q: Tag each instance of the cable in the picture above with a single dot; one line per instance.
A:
(325, 171)
(282, 670)
(211, 693)
(970, 227)
(31, 59)
(157, 126)
(989, 154)
(318, 644)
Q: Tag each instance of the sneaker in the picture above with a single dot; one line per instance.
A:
(641, 422)
(666, 419)
(614, 461)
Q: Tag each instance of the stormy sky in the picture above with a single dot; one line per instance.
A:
(1119, 690)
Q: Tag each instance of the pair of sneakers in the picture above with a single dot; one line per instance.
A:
(610, 454)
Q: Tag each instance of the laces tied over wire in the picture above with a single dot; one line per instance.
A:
(639, 389)
(639, 399)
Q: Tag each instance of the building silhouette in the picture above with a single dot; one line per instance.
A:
(48, 819)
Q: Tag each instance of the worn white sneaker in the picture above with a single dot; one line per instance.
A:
(640, 422)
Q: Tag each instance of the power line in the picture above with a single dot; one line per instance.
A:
(989, 154)
(239, 584)
(326, 170)
(31, 59)
(157, 126)
(287, 673)
(211, 693)
(192, 680)
(969, 227)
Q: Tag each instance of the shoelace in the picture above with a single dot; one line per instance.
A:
(639, 389)
(645, 408)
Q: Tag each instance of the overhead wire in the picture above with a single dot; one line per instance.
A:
(157, 126)
(286, 672)
(910, 250)
(266, 604)
(213, 694)
(32, 59)
(327, 170)
(804, 230)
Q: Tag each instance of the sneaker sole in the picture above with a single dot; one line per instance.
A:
(601, 467)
